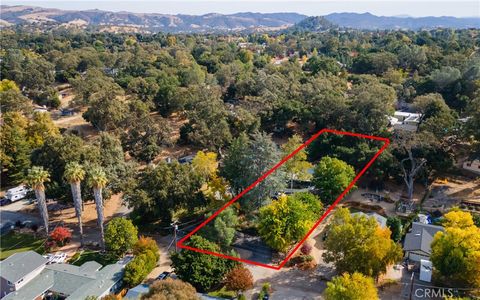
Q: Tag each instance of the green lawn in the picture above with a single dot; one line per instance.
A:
(81, 257)
(19, 242)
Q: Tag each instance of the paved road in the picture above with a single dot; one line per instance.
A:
(11, 213)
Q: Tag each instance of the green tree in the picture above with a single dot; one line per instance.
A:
(437, 117)
(297, 166)
(144, 88)
(11, 99)
(36, 178)
(351, 287)
(146, 257)
(203, 271)
(284, 222)
(371, 103)
(358, 244)
(140, 266)
(222, 228)
(246, 161)
(316, 64)
(97, 180)
(395, 226)
(14, 149)
(171, 289)
(207, 119)
(106, 110)
(93, 83)
(143, 136)
(120, 236)
(332, 176)
(74, 174)
(161, 190)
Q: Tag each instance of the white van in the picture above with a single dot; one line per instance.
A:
(18, 196)
(17, 193)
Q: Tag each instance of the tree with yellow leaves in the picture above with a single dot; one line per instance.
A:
(205, 164)
(359, 244)
(297, 166)
(285, 221)
(456, 252)
(351, 287)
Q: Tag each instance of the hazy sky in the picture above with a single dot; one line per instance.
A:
(308, 7)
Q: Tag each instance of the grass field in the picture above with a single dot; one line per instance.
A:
(81, 257)
(18, 242)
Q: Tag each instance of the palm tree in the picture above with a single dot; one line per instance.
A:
(74, 174)
(36, 177)
(97, 179)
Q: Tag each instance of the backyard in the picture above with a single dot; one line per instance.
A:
(19, 242)
(87, 255)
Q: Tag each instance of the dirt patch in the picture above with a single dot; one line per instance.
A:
(89, 215)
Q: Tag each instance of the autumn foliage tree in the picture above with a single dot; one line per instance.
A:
(351, 287)
(456, 252)
(239, 279)
(146, 257)
(285, 221)
(60, 236)
(171, 289)
(358, 244)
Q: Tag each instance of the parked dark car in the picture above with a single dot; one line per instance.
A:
(163, 276)
(5, 201)
(186, 159)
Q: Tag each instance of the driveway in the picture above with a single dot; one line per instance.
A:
(12, 213)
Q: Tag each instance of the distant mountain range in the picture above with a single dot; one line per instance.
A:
(154, 22)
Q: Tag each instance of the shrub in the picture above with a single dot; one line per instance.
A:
(139, 268)
(351, 287)
(266, 289)
(306, 258)
(239, 279)
(145, 244)
(306, 249)
(61, 236)
(171, 289)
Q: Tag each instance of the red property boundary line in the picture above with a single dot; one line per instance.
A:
(315, 136)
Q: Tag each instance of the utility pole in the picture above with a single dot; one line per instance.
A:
(411, 285)
(175, 229)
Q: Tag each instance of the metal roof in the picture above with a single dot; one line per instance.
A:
(19, 265)
(420, 237)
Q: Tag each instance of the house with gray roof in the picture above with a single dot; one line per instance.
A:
(63, 280)
(19, 269)
(418, 240)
